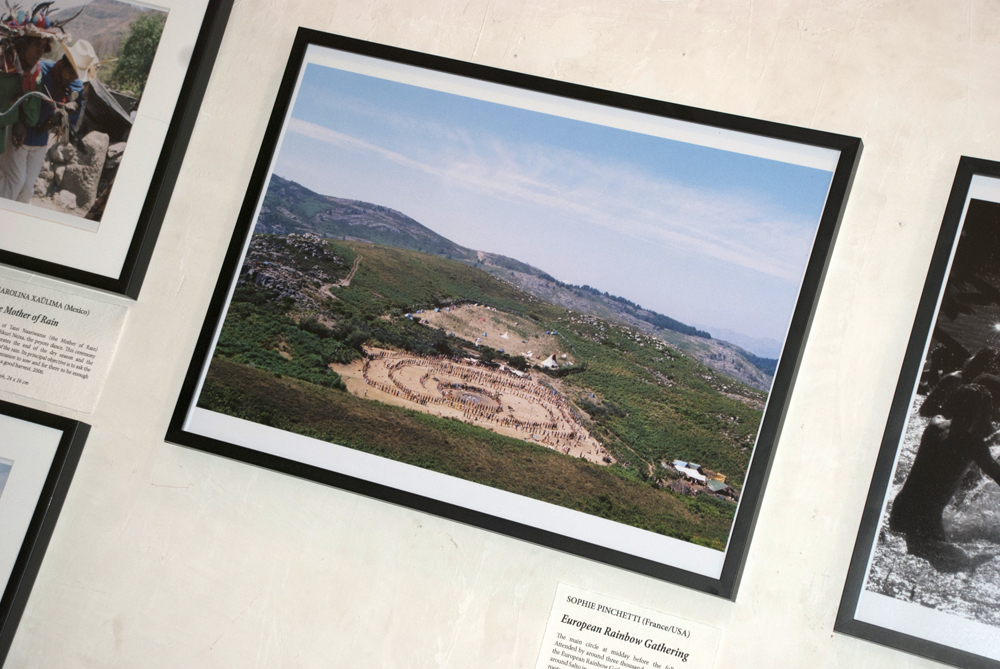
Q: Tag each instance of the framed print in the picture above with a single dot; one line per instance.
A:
(38, 455)
(83, 196)
(564, 314)
(924, 574)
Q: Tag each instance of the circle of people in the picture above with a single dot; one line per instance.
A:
(465, 395)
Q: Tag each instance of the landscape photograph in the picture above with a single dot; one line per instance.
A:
(577, 312)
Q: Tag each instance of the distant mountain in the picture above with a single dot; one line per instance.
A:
(289, 207)
(765, 347)
(720, 355)
(103, 23)
(651, 317)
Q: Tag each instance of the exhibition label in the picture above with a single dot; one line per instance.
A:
(54, 346)
(591, 631)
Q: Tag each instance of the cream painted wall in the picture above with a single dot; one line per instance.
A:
(168, 557)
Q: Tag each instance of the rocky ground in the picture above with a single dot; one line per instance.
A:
(269, 264)
(71, 175)
(973, 525)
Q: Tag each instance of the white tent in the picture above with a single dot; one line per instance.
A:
(691, 473)
(550, 362)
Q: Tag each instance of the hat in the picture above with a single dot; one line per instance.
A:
(83, 58)
(18, 22)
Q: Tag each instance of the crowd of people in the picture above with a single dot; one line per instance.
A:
(478, 392)
(41, 99)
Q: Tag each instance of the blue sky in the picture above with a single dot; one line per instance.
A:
(699, 234)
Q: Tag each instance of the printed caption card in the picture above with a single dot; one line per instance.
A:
(591, 631)
(55, 346)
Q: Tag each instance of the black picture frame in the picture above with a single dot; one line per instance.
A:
(848, 150)
(128, 280)
(48, 490)
(881, 613)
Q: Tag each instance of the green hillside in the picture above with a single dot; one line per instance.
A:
(291, 208)
(645, 402)
(457, 449)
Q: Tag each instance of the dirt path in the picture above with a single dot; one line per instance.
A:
(343, 283)
(484, 325)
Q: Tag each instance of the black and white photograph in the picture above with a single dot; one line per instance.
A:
(567, 315)
(934, 570)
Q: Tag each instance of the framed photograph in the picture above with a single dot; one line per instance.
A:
(38, 455)
(83, 194)
(564, 314)
(926, 566)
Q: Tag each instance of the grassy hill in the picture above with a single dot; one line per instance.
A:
(644, 401)
(723, 357)
(103, 23)
(461, 450)
(291, 208)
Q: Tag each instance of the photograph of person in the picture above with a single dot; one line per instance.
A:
(70, 83)
(935, 566)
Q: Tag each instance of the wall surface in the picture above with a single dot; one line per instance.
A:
(169, 557)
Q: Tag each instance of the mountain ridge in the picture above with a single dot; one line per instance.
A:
(290, 207)
(103, 23)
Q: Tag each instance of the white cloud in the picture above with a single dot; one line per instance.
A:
(736, 228)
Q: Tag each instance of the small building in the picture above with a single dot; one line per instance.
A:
(716, 486)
